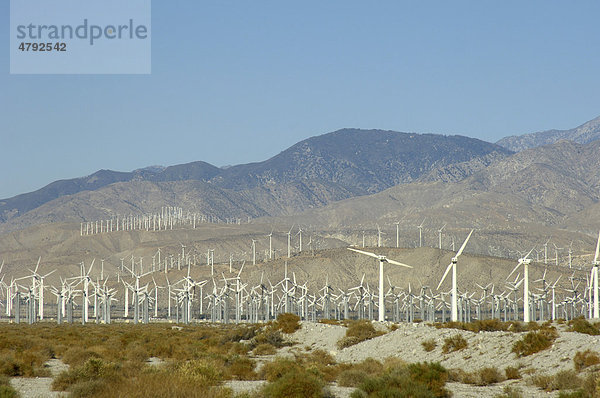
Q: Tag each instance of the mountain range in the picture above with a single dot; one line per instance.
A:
(312, 173)
(355, 177)
(586, 133)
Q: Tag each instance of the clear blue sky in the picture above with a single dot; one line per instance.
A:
(236, 82)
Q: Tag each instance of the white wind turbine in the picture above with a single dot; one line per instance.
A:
(594, 278)
(525, 261)
(378, 236)
(382, 259)
(289, 234)
(452, 265)
(440, 235)
(421, 233)
(397, 234)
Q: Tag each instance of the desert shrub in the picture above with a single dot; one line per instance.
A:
(270, 336)
(78, 355)
(88, 379)
(580, 325)
(358, 331)
(488, 376)
(510, 392)
(6, 390)
(264, 349)
(241, 368)
(416, 380)
(287, 323)
(535, 341)
(564, 380)
(429, 345)
(585, 359)
(276, 369)
(351, 377)
(330, 322)
(320, 363)
(460, 376)
(298, 384)
(454, 343)
(487, 325)
(512, 373)
(432, 374)
(573, 394)
(29, 363)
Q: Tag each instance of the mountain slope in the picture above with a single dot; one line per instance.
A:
(312, 173)
(586, 133)
(21, 204)
(554, 186)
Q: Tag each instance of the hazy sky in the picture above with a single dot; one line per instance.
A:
(236, 82)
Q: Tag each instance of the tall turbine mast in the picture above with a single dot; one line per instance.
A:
(452, 265)
(382, 259)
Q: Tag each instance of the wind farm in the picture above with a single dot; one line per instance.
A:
(302, 200)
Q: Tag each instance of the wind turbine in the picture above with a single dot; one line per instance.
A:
(594, 278)
(421, 233)
(289, 234)
(440, 235)
(525, 261)
(270, 245)
(452, 265)
(382, 259)
(397, 234)
(379, 236)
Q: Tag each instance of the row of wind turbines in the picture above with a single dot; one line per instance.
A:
(233, 300)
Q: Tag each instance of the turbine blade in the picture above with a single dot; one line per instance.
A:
(514, 269)
(444, 277)
(363, 252)
(463, 245)
(398, 263)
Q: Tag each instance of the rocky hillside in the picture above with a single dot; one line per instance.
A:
(587, 132)
(310, 174)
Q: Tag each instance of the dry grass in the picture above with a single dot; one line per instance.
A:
(429, 345)
(535, 341)
(287, 323)
(580, 325)
(454, 343)
(358, 331)
(585, 359)
(565, 380)
(512, 373)
(264, 349)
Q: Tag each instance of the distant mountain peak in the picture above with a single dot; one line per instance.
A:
(583, 134)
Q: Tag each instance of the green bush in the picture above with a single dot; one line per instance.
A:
(454, 343)
(535, 341)
(585, 359)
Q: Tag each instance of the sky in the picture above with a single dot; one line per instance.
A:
(237, 81)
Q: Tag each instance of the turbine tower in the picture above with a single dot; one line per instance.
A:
(421, 233)
(382, 259)
(440, 235)
(525, 261)
(594, 278)
(452, 265)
